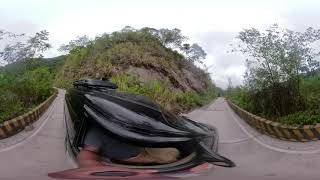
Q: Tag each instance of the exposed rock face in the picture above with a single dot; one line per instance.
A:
(183, 80)
(193, 81)
(145, 75)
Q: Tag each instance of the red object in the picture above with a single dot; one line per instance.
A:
(104, 172)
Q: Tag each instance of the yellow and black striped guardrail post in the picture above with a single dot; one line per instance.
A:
(277, 130)
(15, 125)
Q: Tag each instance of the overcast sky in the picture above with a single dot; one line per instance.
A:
(212, 24)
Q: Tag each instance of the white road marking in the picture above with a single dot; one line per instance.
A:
(234, 141)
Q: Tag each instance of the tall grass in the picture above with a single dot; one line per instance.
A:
(160, 93)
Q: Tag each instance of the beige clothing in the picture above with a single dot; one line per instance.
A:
(157, 155)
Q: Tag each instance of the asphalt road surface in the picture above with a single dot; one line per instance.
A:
(31, 154)
(40, 149)
(257, 156)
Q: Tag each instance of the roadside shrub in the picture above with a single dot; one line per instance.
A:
(155, 90)
(33, 86)
(301, 118)
(63, 83)
(240, 96)
(126, 83)
(158, 91)
(10, 106)
(19, 93)
(192, 99)
(310, 89)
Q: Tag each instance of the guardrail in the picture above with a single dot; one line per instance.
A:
(277, 130)
(15, 125)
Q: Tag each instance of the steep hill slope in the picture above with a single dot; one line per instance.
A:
(139, 63)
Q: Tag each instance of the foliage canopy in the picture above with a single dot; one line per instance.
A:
(282, 79)
(276, 59)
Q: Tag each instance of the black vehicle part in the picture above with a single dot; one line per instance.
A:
(207, 155)
(95, 83)
(145, 124)
(114, 173)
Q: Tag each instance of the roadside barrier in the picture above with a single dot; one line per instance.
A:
(15, 125)
(275, 129)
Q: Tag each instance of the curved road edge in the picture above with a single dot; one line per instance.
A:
(31, 155)
(15, 125)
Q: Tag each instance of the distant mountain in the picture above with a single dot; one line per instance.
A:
(21, 66)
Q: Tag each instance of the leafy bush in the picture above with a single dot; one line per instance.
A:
(19, 93)
(63, 83)
(126, 83)
(310, 90)
(240, 96)
(301, 118)
(33, 86)
(156, 90)
(192, 99)
(10, 106)
(159, 92)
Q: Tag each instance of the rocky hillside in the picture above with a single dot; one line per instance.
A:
(144, 61)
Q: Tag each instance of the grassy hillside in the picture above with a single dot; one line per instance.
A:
(140, 63)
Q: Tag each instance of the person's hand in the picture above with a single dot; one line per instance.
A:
(89, 157)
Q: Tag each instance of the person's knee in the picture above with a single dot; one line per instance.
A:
(172, 154)
(87, 158)
(164, 155)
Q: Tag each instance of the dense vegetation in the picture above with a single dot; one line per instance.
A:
(27, 80)
(159, 92)
(282, 81)
(19, 93)
(156, 63)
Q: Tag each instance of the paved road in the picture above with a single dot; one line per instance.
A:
(31, 154)
(257, 156)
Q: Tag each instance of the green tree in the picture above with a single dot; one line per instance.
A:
(7, 34)
(171, 38)
(20, 92)
(194, 52)
(32, 48)
(76, 45)
(33, 86)
(276, 58)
